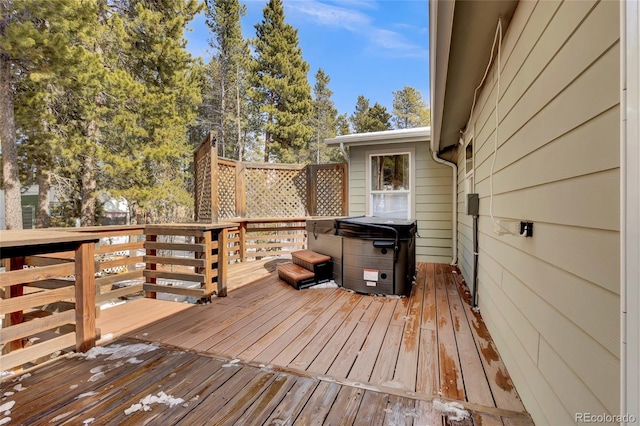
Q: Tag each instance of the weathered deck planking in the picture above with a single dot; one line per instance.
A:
(301, 357)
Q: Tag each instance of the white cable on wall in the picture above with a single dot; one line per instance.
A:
(495, 146)
(497, 39)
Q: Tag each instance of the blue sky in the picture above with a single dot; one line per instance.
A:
(367, 47)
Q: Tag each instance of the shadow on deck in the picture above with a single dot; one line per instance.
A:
(268, 354)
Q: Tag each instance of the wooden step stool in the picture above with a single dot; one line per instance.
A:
(320, 264)
(296, 276)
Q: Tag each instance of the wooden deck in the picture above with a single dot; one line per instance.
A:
(268, 354)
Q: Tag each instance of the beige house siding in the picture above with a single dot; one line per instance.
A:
(432, 197)
(552, 301)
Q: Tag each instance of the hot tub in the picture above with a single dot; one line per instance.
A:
(378, 254)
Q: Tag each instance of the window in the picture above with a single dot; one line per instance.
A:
(390, 185)
(468, 172)
(468, 158)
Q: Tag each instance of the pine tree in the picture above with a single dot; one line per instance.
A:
(146, 153)
(379, 118)
(409, 109)
(280, 86)
(40, 51)
(229, 82)
(369, 119)
(359, 119)
(324, 119)
(342, 125)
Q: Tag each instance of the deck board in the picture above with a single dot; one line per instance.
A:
(311, 356)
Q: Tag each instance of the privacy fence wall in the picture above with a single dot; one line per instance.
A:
(234, 189)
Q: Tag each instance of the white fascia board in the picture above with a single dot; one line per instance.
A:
(440, 32)
(416, 134)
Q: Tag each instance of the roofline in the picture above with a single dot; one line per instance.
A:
(416, 134)
(440, 29)
(461, 38)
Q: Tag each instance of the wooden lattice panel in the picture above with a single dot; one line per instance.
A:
(203, 184)
(329, 186)
(276, 192)
(226, 190)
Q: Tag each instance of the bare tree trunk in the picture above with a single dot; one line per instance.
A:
(133, 213)
(223, 113)
(12, 197)
(44, 191)
(267, 141)
(238, 115)
(88, 191)
(88, 208)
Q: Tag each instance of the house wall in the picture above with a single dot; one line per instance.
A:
(551, 302)
(433, 207)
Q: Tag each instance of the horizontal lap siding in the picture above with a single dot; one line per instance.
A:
(552, 301)
(432, 198)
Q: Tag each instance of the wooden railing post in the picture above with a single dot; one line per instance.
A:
(242, 241)
(13, 264)
(222, 262)
(345, 188)
(208, 269)
(241, 190)
(151, 266)
(85, 292)
(312, 190)
(215, 177)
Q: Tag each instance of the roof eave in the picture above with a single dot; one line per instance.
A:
(461, 36)
(417, 134)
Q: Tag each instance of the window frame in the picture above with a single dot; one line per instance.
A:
(369, 193)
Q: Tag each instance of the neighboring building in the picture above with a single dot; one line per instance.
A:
(392, 174)
(542, 143)
(29, 207)
(114, 211)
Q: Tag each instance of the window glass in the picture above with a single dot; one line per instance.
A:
(390, 172)
(390, 190)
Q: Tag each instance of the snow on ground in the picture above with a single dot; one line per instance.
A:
(232, 363)
(398, 414)
(61, 416)
(86, 394)
(116, 351)
(453, 410)
(146, 402)
(330, 284)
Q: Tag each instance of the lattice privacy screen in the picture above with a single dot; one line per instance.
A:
(276, 192)
(265, 190)
(226, 190)
(202, 187)
(329, 184)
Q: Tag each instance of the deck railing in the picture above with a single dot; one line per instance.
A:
(257, 238)
(49, 294)
(45, 300)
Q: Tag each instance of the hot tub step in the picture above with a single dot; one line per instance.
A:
(320, 264)
(296, 275)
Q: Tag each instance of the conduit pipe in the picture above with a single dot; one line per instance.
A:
(454, 167)
(344, 151)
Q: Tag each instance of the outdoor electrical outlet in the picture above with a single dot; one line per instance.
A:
(506, 227)
(526, 229)
(513, 227)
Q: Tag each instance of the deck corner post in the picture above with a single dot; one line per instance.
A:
(150, 266)
(242, 241)
(223, 262)
(85, 293)
(207, 240)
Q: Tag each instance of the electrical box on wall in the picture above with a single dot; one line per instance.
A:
(473, 205)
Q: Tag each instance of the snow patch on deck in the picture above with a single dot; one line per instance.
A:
(454, 411)
(146, 402)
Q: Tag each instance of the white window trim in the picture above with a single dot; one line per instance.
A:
(469, 174)
(412, 180)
